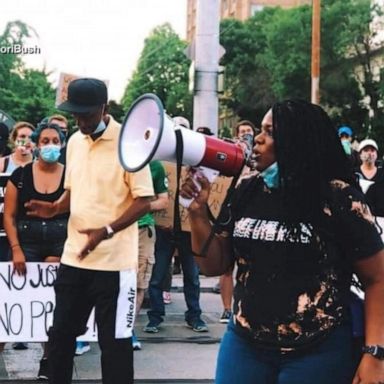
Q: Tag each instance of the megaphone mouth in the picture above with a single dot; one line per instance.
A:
(148, 134)
(141, 132)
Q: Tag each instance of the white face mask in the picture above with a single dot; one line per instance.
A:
(100, 128)
(24, 146)
(368, 157)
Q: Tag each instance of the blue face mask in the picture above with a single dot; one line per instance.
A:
(271, 176)
(347, 146)
(50, 153)
(100, 128)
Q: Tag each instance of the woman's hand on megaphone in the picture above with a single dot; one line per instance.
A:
(196, 187)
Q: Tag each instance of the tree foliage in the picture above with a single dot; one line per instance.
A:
(163, 70)
(25, 94)
(268, 57)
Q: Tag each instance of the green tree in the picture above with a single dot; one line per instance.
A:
(15, 32)
(116, 110)
(30, 96)
(25, 94)
(163, 70)
(248, 89)
(268, 58)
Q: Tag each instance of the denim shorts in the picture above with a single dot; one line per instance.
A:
(42, 238)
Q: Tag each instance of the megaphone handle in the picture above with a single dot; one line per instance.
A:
(218, 220)
(187, 202)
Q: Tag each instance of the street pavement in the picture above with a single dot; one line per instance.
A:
(174, 355)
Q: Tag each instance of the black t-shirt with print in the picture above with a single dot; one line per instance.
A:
(293, 285)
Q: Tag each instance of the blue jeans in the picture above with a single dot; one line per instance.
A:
(164, 248)
(329, 362)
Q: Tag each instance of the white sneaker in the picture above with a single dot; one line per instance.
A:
(136, 345)
(82, 347)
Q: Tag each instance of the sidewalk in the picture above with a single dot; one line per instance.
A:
(175, 354)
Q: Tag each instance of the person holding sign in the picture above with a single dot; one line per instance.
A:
(30, 238)
(99, 263)
(298, 231)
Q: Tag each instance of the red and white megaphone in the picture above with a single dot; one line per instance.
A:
(148, 133)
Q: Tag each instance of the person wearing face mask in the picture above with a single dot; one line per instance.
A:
(346, 137)
(22, 147)
(22, 154)
(62, 122)
(98, 267)
(297, 232)
(368, 169)
(30, 238)
(371, 176)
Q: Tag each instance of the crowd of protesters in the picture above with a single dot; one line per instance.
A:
(108, 244)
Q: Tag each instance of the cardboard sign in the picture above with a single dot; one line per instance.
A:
(27, 304)
(218, 192)
(62, 88)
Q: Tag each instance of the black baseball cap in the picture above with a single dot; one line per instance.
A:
(85, 95)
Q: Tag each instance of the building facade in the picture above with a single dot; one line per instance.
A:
(237, 9)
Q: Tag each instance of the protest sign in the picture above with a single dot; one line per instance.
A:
(62, 88)
(27, 304)
(218, 192)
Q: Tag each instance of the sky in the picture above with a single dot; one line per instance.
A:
(96, 38)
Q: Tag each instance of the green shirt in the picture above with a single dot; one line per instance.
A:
(160, 185)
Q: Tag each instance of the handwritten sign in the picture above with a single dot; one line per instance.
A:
(27, 304)
(218, 192)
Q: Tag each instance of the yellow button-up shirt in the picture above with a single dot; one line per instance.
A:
(101, 190)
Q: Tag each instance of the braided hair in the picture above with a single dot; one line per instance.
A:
(309, 156)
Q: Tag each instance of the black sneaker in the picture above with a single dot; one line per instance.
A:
(198, 325)
(43, 370)
(225, 317)
(19, 346)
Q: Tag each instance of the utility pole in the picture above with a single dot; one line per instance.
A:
(315, 67)
(206, 65)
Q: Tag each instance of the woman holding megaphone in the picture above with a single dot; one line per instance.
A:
(298, 230)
